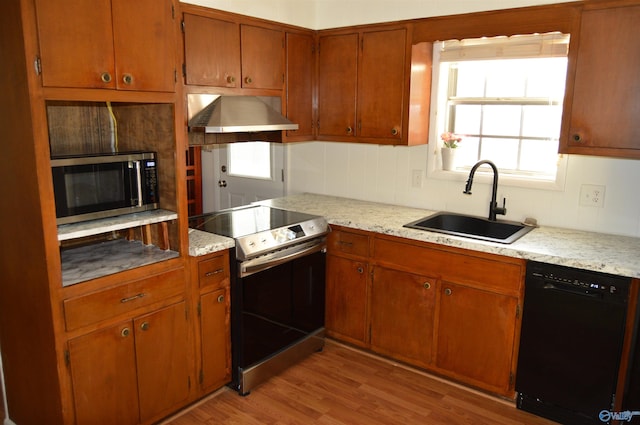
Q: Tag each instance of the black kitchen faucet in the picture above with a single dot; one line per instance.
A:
(494, 209)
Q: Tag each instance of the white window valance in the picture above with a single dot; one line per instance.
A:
(517, 46)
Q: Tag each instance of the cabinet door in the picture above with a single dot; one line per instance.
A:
(402, 313)
(337, 75)
(262, 58)
(103, 374)
(162, 359)
(606, 97)
(216, 339)
(476, 331)
(346, 299)
(76, 43)
(299, 85)
(381, 84)
(145, 44)
(212, 51)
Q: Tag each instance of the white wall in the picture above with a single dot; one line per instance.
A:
(382, 173)
(320, 14)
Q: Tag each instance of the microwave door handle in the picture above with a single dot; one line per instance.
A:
(139, 181)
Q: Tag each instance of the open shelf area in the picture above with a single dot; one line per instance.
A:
(102, 259)
(103, 225)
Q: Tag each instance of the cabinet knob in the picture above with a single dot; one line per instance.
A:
(125, 332)
(427, 285)
(127, 79)
(394, 132)
(577, 138)
(360, 269)
(248, 80)
(349, 130)
(220, 298)
(231, 79)
(105, 77)
(144, 326)
(447, 291)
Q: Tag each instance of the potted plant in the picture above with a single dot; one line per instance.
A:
(450, 143)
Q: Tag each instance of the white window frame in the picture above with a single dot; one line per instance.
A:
(438, 118)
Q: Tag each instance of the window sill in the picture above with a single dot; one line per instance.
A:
(434, 171)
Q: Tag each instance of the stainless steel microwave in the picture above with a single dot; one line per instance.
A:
(92, 187)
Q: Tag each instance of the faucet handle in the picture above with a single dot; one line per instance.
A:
(502, 210)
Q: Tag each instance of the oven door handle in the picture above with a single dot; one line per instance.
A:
(263, 263)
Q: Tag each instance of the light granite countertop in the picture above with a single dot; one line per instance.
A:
(202, 243)
(619, 255)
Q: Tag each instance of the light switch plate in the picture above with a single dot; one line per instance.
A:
(416, 178)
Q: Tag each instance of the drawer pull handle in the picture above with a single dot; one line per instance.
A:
(209, 274)
(346, 243)
(133, 298)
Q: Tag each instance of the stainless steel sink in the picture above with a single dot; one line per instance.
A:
(472, 227)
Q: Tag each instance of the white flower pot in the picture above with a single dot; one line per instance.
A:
(448, 158)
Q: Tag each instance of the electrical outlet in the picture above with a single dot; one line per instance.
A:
(592, 195)
(416, 178)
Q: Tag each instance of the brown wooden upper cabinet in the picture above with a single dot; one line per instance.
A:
(115, 44)
(224, 53)
(603, 113)
(299, 85)
(363, 86)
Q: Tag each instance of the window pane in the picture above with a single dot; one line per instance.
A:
(547, 77)
(501, 120)
(505, 79)
(470, 81)
(250, 159)
(503, 152)
(467, 152)
(541, 121)
(467, 119)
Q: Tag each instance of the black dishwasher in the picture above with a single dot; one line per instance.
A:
(571, 342)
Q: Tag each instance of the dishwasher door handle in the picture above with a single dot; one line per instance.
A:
(582, 292)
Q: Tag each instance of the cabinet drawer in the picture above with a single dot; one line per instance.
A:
(352, 243)
(213, 272)
(84, 310)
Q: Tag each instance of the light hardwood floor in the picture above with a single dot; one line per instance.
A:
(345, 386)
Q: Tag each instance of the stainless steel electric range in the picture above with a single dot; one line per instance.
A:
(277, 287)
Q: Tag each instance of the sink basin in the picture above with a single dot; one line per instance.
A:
(471, 227)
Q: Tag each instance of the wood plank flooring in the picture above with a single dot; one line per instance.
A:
(345, 386)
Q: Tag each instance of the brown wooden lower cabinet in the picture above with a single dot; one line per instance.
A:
(448, 310)
(133, 371)
(214, 325)
(211, 274)
(402, 315)
(346, 299)
(476, 336)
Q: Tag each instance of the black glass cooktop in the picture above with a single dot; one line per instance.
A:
(248, 220)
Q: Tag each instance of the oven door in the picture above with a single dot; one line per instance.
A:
(276, 308)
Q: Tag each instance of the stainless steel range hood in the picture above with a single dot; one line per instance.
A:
(236, 118)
